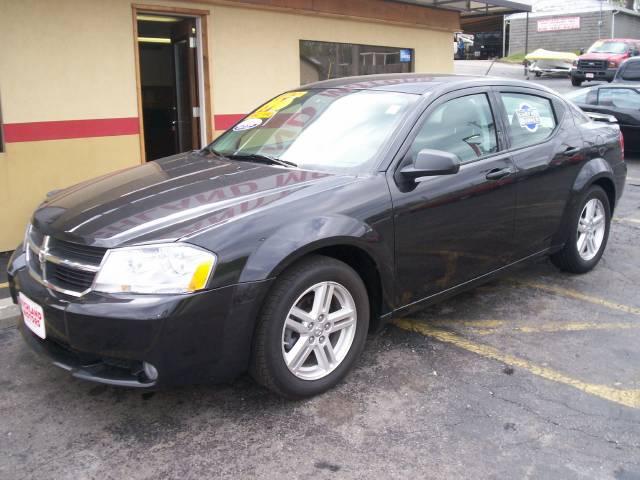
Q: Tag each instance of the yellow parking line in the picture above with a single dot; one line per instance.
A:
(490, 327)
(4, 285)
(627, 220)
(629, 398)
(581, 296)
(566, 327)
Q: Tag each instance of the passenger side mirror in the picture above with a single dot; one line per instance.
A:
(429, 163)
(582, 51)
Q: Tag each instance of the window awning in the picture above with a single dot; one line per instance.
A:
(475, 7)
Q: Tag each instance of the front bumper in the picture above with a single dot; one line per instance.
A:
(195, 338)
(581, 74)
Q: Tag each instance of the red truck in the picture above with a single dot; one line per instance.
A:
(603, 59)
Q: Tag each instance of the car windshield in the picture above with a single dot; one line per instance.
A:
(608, 47)
(336, 130)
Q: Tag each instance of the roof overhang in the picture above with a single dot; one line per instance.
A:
(469, 8)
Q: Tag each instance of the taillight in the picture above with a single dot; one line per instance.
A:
(621, 138)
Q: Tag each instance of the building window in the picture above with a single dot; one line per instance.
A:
(325, 60)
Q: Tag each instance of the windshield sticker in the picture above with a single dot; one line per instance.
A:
(247, 124)
(269, 109)
(528, 117)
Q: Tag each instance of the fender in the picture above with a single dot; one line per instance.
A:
(591, 171)
(293, 241)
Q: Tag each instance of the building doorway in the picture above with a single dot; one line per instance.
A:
(171, 83)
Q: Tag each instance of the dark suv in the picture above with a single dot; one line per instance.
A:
(603, 59)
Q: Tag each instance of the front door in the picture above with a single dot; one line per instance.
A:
(450, 229)
(168, 53)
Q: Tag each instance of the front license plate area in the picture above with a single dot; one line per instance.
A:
(33, 316)
(590, 75)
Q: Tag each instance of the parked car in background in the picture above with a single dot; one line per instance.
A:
(620, 100)
(486, 45)
(629, 71)
(318, 217)
(603, 59)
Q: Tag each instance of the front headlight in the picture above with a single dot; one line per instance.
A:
(160, 268)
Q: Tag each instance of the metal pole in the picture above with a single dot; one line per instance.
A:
(504, 35)
(600, 22)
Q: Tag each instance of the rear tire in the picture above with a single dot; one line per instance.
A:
(587, 240)
(303, 348)
(575, 82)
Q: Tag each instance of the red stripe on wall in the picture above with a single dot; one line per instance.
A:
(224, 122)
(102, 127)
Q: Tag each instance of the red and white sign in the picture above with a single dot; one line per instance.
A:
(33, 316)
(558, 23)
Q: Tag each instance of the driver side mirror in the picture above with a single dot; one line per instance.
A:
(635, 52)
(429, 163)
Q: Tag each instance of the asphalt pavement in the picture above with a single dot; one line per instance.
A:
(536, 375)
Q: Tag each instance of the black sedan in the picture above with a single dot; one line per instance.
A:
(317, 218)
(620, 100)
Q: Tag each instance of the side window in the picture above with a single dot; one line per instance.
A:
(530, 118)
(586, 96)
(619, 97)
(631, 71)
(463, 126)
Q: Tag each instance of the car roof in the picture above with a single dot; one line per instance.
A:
(627, 85)
(418, 83)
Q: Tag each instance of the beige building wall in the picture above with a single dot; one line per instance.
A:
(73, 60)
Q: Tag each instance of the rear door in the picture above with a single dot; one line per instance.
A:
(450, 229)
(546, 149)
(624, 104)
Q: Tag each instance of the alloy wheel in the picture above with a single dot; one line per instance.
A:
(319, 330)
(591, 229)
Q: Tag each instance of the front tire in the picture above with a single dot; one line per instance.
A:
(575, 82)
(312, 328)
(587, 240)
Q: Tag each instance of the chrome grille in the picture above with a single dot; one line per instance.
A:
(63, 266)
(592, 64)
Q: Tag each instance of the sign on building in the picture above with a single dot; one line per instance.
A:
(558, 23)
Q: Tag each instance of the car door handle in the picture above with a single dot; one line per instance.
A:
(572, 150)
(498, 173)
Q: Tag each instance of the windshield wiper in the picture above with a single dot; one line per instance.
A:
(255, 157)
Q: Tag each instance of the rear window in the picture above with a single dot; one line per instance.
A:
(530, 118)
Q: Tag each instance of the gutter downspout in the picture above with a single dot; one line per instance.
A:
(504, 35)
(613, 22)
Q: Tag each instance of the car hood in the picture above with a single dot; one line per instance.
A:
(171, 198)
(603, 56)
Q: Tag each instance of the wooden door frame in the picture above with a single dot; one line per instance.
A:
(204, 48)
